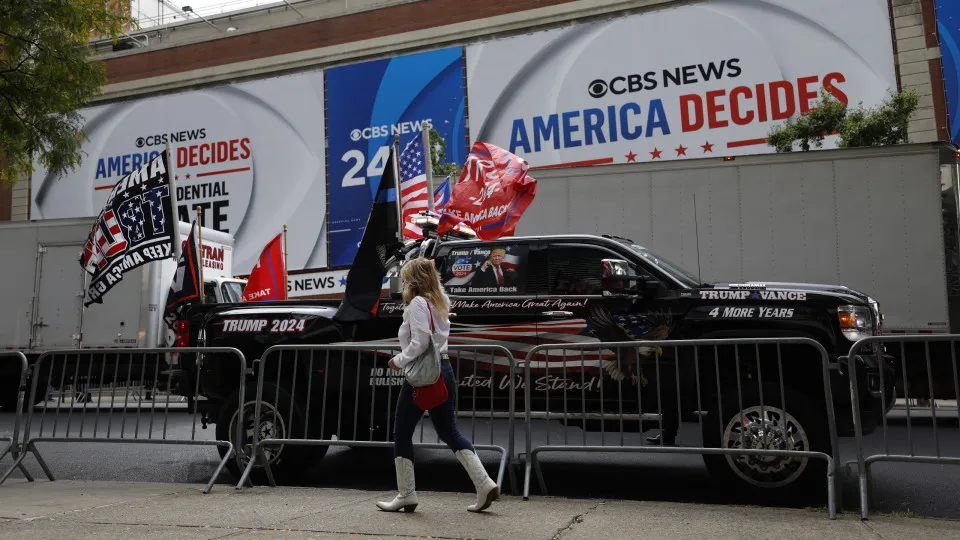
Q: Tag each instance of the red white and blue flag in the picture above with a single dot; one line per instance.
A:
(266, 281)
(493, 193)
(414, 187)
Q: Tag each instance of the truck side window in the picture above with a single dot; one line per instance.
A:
(210, 293)
(486, 270)
(575, 270)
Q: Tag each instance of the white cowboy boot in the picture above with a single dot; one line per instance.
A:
(406, 500)
(487, 490)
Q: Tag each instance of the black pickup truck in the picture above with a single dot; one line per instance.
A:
(521, 292)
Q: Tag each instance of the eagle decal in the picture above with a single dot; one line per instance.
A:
(611, 328)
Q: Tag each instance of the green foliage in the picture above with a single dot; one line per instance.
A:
(883, 125)
(438, 157)
(46, 74)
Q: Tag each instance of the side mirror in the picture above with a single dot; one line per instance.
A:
(396, 287)
(615, 268)
(618, 277)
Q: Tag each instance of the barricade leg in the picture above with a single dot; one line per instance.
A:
(13, 448)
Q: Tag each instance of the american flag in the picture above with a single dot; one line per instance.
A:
(414, 188)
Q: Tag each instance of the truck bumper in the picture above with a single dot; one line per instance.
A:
(871, 401)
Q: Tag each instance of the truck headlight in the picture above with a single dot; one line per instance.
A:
(856, 322)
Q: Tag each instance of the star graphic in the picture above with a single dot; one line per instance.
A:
(631, 156)
(682, 151)
(143, 187)
(176, 177)
(343, 281)
(707, 147)
(188, 176)
(656, 153)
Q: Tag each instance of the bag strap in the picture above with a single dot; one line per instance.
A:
(433, 329)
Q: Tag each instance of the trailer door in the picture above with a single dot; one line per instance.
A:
(59, 297)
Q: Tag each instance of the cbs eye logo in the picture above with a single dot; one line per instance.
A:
(597, 88)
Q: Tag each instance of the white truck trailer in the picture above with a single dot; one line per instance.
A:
(43, 287)
(880, 220)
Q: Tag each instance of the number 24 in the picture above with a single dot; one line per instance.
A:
(376, 167)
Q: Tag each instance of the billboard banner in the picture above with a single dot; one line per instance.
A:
(367, 105)
(639, 88)
(250, 154)
(948, 27)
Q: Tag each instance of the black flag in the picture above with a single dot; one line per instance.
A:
(135, 227)
(185, 288)
(379, 242)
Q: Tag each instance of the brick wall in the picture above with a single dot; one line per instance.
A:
(312, 35)
(917, 50)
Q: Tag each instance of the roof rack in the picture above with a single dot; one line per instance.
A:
(615, 237)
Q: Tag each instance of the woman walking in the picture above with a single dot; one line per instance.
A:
(428, 307)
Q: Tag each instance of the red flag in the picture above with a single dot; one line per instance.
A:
(492, 194)
(266, 281)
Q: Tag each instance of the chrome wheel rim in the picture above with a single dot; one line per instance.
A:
(766, 428)
(270, 426)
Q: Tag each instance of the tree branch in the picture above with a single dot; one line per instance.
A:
(25, 58)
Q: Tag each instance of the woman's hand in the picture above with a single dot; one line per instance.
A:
(392, 365)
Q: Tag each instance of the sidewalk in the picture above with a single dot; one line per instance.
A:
(108, 510)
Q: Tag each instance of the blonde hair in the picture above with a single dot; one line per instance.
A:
(420, 279)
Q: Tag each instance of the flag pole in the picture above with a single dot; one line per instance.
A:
(396, 184)
(203, 297)
(284, 260)
(428, 165)
(171, 180)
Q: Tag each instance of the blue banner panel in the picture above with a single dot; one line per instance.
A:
(369, 103)
(948, 26)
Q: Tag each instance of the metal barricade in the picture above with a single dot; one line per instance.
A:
(914, 360)
(345, 395)
(102, 379)
(606, 388)
(13, 441)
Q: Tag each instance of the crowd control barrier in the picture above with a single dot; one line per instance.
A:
(930, 435)
(345, 395)
(607, 394)
(11, 444)
(86, 396)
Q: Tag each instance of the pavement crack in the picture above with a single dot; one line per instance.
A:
(576, 519)
(867, 524)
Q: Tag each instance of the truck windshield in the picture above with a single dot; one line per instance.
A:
(232, 291)
(675, 271)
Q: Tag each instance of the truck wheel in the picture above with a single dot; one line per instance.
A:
(275, 423)
(750, 426)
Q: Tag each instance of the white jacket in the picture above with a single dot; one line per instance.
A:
(415, 331)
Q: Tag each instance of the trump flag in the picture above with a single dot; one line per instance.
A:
(492, 194)
(137, 225)
(267, 280)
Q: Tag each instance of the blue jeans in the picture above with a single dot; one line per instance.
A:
(443, 417)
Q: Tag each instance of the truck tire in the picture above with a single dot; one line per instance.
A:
(803, 427)
(276, 423)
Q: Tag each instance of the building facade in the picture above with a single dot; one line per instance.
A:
(278, 112)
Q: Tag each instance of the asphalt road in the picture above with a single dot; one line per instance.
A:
(922, 489)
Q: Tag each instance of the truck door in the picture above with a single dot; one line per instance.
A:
(493, 289)
(59, 293)
(581, 312)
